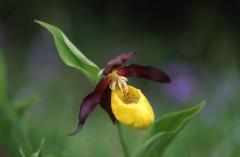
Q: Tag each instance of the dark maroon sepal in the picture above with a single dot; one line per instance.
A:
(146, 72)
(90, 102)
(117, 62)
(105, 103)
(77, 130)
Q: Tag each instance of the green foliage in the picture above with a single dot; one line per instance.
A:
(70, 55)
(165, 130)
(35, 154)
(21, 106)
(12, 132)
(3, 92)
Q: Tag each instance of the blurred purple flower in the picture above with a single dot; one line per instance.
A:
(43, 66)
(43, 63)
(184, 82)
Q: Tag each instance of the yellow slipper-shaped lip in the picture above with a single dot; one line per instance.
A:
(132, 109)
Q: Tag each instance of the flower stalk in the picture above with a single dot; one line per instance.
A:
(121, 139)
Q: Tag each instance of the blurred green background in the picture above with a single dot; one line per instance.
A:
(195, 42)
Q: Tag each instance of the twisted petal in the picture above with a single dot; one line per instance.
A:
(117, 62)
(90, 102)
(105, 103)
(146, 72)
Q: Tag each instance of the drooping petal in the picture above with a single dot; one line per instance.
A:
(146, 72)
(117, 62)
(132, 109)
(105, 103)
(90, 102)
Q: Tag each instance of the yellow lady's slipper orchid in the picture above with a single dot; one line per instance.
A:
(123, 103)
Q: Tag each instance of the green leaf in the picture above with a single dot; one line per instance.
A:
(3, 92)
(21, 106)
(165, 130)
(21, 152)
(70, 55)
(37, 153)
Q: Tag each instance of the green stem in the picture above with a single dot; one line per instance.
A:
(123, 144)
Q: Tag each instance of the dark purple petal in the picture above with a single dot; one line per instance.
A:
(146, 72)
(90, 102)
(117, 62)
(105, 103)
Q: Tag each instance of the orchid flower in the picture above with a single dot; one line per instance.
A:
(123, 103)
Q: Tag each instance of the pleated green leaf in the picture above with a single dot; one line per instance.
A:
(165, 130)
(70, 55)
